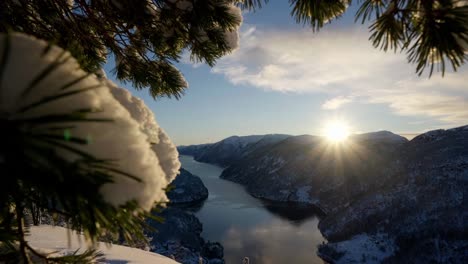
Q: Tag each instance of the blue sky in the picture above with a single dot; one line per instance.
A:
(286, 79)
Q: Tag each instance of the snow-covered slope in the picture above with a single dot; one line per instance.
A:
(380, 136)
(422, 204)
(49, 239)
(386, 199)
(231, 149)
(309, 169)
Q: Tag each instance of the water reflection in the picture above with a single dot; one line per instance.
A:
(193, 208)
(266, 232)
(296, 213)
(273, 242)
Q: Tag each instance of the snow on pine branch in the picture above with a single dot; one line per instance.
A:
(161, 143)
(121, 140)
(137, 109)
(232, 37)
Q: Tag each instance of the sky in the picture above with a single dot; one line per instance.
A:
(286, 79)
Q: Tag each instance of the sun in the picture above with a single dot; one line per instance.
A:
(336, 131)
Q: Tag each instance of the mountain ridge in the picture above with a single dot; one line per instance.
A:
(378, 191)
(228, 150)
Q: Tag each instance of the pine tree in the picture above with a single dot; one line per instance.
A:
(145, 37)
(54, 116)
(57, 122)
(432, 33)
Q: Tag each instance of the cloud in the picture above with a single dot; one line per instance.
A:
(447, 108)
(343, 64)
(300, 61)
(336, 102)
(123, 140)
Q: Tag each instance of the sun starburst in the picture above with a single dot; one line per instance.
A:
(336, 131)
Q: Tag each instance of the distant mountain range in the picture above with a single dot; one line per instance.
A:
(412, 193)
(229, 150)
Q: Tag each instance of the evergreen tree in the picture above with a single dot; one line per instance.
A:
(145, 37)
(431, 32)
(70, 149)
(55, 118)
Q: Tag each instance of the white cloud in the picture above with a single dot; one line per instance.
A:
(447, 108)
(121, 140)
(300, 61)
(345, 66)
(336, 102)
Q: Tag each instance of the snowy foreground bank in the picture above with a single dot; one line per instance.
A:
(50, 239)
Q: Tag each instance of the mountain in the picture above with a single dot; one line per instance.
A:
(310, 169)
(193, 150)
(229, 150)
(385, 199)
(421, 208)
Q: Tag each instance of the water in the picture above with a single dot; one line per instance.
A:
(267, 233)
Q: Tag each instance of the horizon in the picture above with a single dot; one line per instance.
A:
(408, 136)
(287, 79)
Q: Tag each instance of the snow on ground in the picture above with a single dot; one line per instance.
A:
(381, 136)
(302, 194)
(365, 248)
(49, 238)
